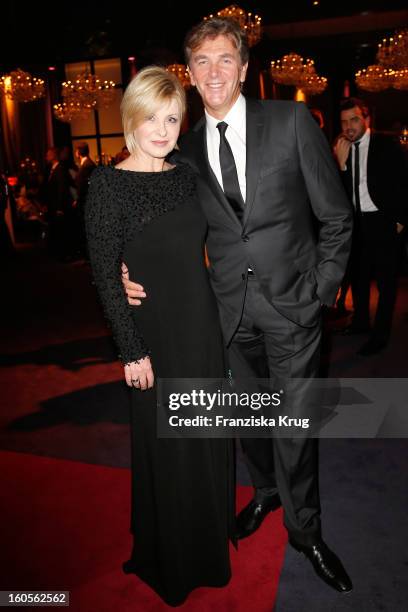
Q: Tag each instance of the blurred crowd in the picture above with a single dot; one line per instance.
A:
(48, 204)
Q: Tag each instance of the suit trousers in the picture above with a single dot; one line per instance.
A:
(268, 345)
(374, 254)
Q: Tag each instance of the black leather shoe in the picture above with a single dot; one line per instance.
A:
(252, 516)
(371, 347)
(326, 565)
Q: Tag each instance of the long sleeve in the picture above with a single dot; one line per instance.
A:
(105, 233)
(388, 180)
(329, 202)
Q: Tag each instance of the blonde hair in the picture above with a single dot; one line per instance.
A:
(152, 87)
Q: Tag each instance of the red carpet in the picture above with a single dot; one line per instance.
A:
(65, 527)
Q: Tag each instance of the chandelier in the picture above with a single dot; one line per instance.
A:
(181, 72)
(314, 85)
(21, 86)
(392, 67)
(404, 137)
(87, 92)
(68, 111)
(292, 69)
(393, 52)
(377, 78)
(28, 165)
(400, 79)
(248, 21)
(374, 78)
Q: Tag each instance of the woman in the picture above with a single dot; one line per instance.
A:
(144, 212)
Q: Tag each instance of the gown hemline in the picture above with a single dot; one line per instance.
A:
(128, 569)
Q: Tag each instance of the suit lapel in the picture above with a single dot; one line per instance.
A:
(206, 171)
(255, 121)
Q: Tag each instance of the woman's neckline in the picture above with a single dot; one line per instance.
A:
(116, 169)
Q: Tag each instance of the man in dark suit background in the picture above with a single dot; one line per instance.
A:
(58, 199)
(6, 244)
(374, 174)
(264, 173)
(85, 168)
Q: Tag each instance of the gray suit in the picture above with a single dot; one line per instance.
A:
(295, 235)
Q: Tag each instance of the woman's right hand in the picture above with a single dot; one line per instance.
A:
(134, 291)
(139, 374)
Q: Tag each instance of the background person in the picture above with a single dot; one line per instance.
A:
(58, 200)
(85, 168)
(375, 176)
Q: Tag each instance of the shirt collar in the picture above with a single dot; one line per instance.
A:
(235, 117)
(365, 139)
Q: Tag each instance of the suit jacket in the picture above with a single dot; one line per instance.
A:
(57, 191)
(387, 181)
(82, 180)
(291, 180)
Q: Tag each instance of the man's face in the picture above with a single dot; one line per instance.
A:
(216, 70)
(353, 123)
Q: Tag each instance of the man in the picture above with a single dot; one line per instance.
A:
(263, 169)
(373, 172)
(6, 245)
(85, 168)
(317, 116)
(58, 200)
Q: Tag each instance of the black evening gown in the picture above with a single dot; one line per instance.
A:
(182, 489)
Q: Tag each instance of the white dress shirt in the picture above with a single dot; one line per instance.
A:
(366, 203)
(236, 136)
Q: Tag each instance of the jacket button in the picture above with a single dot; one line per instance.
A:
(245, 238)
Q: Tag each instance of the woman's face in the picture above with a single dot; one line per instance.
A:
(157, 135)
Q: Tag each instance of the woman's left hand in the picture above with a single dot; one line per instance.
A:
(139, 374)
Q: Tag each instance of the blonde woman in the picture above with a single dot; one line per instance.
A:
(145, 212)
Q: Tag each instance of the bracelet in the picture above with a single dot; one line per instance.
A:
(129, 363)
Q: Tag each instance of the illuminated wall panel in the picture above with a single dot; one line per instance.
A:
(102, 129)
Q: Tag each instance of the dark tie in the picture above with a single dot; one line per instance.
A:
(357, 179)
(229, 173)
